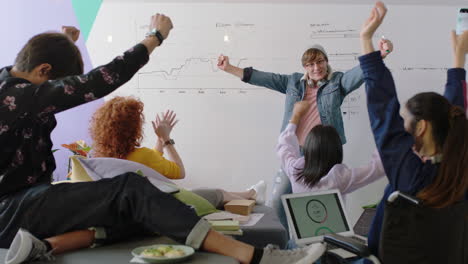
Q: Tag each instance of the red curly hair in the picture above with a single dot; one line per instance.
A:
(116, 127)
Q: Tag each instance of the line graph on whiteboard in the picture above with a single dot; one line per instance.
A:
(198, 70)
(194, 68)
(190, 73)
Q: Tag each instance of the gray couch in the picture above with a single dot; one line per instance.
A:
(121, 254)
(267, 230)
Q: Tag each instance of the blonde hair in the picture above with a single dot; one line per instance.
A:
(311, 55)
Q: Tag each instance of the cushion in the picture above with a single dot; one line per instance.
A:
(201, 205)
(101, 168)
(84, 169)
(78, 174)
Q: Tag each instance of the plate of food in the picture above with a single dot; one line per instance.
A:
(163, 253)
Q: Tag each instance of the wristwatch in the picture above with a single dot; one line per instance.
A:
(155, 33)
(169, 142)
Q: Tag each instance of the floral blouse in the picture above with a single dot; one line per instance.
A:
(27, 115)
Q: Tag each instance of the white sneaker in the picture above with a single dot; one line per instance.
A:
(260, 192)
(26, 247)
(304, 255)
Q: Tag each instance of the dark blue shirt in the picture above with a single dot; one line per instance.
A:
(405, 170)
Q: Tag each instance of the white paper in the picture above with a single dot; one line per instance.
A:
(223, 215)
(254, 218)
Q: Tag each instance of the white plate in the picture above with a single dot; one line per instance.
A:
(187, 250)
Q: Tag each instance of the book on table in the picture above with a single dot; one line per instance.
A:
(227, 227)
(223, 215)
(232, 233)
(224, 225)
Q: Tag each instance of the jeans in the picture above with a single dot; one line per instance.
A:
(123, 206)
(281, 185)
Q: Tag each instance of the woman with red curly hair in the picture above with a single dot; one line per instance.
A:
(117, 131)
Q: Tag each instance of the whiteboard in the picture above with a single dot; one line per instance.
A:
(228, 129)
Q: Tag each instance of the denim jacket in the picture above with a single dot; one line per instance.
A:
(330, 95)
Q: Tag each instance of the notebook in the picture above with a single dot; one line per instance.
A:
(313, 215)
(225, 225)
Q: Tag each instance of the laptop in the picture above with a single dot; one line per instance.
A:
(312, 215)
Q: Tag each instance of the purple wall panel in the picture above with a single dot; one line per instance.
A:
(20, 20)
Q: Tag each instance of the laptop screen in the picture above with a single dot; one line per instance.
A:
(317, 215)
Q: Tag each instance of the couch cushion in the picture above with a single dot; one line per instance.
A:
(99, 168)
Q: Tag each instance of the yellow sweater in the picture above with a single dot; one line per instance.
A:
(155, 160)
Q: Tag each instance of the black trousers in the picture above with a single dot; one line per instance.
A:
(125, 206)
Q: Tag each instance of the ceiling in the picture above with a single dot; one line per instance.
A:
(461, 3)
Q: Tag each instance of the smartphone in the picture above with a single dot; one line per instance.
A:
(462, 21)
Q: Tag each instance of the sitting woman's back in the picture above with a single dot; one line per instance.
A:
(321, 166)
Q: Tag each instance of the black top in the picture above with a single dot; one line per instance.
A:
(27, 115)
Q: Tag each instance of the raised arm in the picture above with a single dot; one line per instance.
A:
(277, 82)
(376, 18)
(393, 142)
(349, 180)
(223, 64)
(288, 150)
(163, 126)
(58, 95)
(353, 78)
(455, 88)
(158, 23)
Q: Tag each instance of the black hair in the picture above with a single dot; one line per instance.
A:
(450, 135)
(323, 149)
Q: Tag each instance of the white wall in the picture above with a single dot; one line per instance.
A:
(228, 130)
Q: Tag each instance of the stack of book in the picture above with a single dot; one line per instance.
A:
(227, 227)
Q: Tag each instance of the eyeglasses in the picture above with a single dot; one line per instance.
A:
(320, 62)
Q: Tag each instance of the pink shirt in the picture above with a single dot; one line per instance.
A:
(339, 177)
(311, 118)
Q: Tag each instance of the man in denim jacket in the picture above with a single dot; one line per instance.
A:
(319, 85)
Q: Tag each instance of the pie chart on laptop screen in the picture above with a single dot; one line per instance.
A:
(317, 211)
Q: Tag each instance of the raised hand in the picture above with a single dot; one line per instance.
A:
(162, 23)
(460, 42)
(223, 62)
(72, 32)
(300, 108)
(385, 47)
(460, 48)
(373, 22)
(164, 124)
